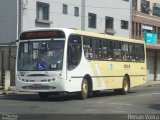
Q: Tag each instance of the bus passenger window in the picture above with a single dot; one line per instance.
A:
(117, 51)
(126, 56)
(110, 51)
(97, 46)
(139, 53)
(88, 47)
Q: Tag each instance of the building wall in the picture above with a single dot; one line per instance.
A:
(7, 62)
(151, 4)
(55, 12)
(118, 9)
(147, 22)
(104, 8)
(150, 65)
(158, 67)
(8, 21)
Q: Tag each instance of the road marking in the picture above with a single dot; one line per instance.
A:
(156, 93)
(140, 95)
(146, 94)
(126, 104)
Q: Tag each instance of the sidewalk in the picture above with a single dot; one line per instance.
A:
(148, 84)
(152, 84)
(12, 90)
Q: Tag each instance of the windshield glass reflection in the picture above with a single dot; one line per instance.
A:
(40, 55)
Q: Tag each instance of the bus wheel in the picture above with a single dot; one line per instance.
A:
(125, 87)
(83, 94)
(43, 95)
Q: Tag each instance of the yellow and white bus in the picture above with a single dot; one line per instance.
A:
(68, 60)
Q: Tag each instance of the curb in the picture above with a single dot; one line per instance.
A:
(152, 84)
(7, 93)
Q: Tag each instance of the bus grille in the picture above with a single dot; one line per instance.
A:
(43, 87)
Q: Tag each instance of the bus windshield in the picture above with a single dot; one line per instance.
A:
(40, 55)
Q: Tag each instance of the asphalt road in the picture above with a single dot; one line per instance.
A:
(139, 101)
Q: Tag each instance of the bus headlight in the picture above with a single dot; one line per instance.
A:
(19, 77)
(56, 78)
(53, 79)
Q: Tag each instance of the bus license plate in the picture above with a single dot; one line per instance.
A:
(35, 86)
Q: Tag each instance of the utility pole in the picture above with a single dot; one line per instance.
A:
(131, 16)
(19, 17)
(83, 11)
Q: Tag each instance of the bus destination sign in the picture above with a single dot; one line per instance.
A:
(41, 35)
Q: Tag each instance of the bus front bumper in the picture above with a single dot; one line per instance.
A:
(39, 87)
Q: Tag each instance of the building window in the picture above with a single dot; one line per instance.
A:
(42, 11)
(134, 4)
(109, 28)
(76, 11)
(145, 6)
(126, 0)
(124, 24)
(109, 22)
(92, 20)
(156, 9)
(65, 9)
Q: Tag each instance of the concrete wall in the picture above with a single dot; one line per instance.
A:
(118, 9)
(8, 21)
(7, 62)
(150, 65)
(56, 16)
(151, 4)
(158, 68)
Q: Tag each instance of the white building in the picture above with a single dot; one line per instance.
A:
(97, 16)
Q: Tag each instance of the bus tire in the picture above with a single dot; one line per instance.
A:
(117, 91)
(83, 94)
(43, 95)
(125, 87)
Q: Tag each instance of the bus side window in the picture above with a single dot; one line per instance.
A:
(88, 47)
(110, 50)
(104, 48)
(97, 43)
(139, 51)
(117, 51)
(126, 56)
(74, 51)
(132, 52)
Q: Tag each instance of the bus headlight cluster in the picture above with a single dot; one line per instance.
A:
(34, 80)
(19, 77)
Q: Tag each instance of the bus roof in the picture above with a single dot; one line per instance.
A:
(103, 35)
(92, 34)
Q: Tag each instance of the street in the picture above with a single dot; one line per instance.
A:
(138, 101)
